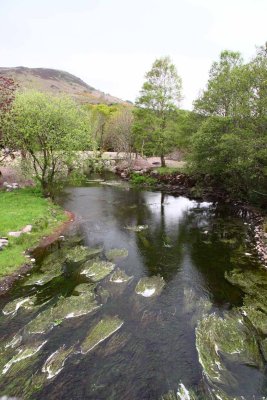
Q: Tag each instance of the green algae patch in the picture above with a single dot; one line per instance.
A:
(56, 361)
(97, 270)
(13, 306)
(67, 307)
(182, 394)
(42, 278)
(119, 276)
(230, 337)
(80, 254)
(103, 330)
(196, 306)
(150, 286)
(23, 353)
(14, 342)
(254, 284)
(136, 228)
(76, 306)
(85, 288)
(250, 281)
(116, 254)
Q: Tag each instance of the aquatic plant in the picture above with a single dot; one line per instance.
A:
(116, 254)
(150, 286)
(136, 228)
(97, 270)
(23, 352)
(13, 306)
(104, 329)
(228, 336)
(119, 276)
(55, 362)
(67, 307)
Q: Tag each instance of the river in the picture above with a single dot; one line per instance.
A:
(160, 319)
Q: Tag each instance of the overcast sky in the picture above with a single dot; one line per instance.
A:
(110, 44)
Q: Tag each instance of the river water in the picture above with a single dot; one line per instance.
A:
(148, 347)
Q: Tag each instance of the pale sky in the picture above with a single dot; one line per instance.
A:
(110, 44)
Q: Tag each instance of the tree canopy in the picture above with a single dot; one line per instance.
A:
(159, 98)
(49, 130)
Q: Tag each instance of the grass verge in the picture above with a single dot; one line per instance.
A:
(20, 208)
(170, 170)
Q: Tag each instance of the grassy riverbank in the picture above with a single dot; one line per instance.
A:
(20, 208)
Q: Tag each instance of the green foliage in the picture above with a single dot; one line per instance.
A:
(170, 170)
(100, 115)
(230, 147)
(25, 207)
(49, 130)
(159, 98)
(145, 180)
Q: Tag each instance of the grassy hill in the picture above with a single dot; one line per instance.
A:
(58, 82)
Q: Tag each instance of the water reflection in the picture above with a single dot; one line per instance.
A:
(187, 243)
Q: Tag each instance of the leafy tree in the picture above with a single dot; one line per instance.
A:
(8, 88)
(119, 135)
(219, 98)
(49, 130)
(100, 115)
(231, 145)
(159, 98)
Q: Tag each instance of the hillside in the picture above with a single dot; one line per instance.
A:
(58, 82)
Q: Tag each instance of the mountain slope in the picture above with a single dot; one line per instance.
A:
(58, 82)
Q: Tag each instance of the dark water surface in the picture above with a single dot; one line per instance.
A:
(190, 244)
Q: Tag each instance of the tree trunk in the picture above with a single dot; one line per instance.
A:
(162, 159)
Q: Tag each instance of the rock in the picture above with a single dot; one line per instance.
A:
(15, 234)
(27, 229)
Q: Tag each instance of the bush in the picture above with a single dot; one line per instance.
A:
(145, 180)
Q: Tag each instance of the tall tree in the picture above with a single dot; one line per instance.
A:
(8, 88)
(49, 130)
(159, 98)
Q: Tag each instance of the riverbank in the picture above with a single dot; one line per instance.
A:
(44, 220)
(176, 182)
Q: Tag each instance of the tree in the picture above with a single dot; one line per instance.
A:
(8, 88)
(119, 135)
(100, 115)
(219, 98)
(159, 98)
(49, 130)
(230, 147)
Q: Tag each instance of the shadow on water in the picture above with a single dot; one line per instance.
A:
(189, 244)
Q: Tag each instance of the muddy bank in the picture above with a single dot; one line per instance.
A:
(7, 282)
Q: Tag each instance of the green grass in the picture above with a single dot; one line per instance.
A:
(20, 208)
(170, 170)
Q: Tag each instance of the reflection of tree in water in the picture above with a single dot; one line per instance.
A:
(215, 240)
